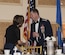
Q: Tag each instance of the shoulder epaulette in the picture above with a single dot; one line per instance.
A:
(44, 19)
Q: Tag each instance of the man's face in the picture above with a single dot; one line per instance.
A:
(33, 16)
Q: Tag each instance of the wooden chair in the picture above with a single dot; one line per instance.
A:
(54, 29)
(30, 49)
(63, 30)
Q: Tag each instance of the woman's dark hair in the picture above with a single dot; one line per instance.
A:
(35, 10)
(18, 19)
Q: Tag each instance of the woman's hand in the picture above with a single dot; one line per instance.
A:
(19, 42)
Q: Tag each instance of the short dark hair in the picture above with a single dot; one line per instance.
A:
(18, 19)
(35, 10)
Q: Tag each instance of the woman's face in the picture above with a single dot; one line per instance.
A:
(19, 25)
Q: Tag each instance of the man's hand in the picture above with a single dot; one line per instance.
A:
(35, 34)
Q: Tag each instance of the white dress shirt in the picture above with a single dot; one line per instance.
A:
(36, 28)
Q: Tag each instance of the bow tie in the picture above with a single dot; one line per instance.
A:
(36, 22)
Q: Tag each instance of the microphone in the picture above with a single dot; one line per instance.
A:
(37, 39)
(30, 41)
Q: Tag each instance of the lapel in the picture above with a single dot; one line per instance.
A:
(33, 27)
(39, 26)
